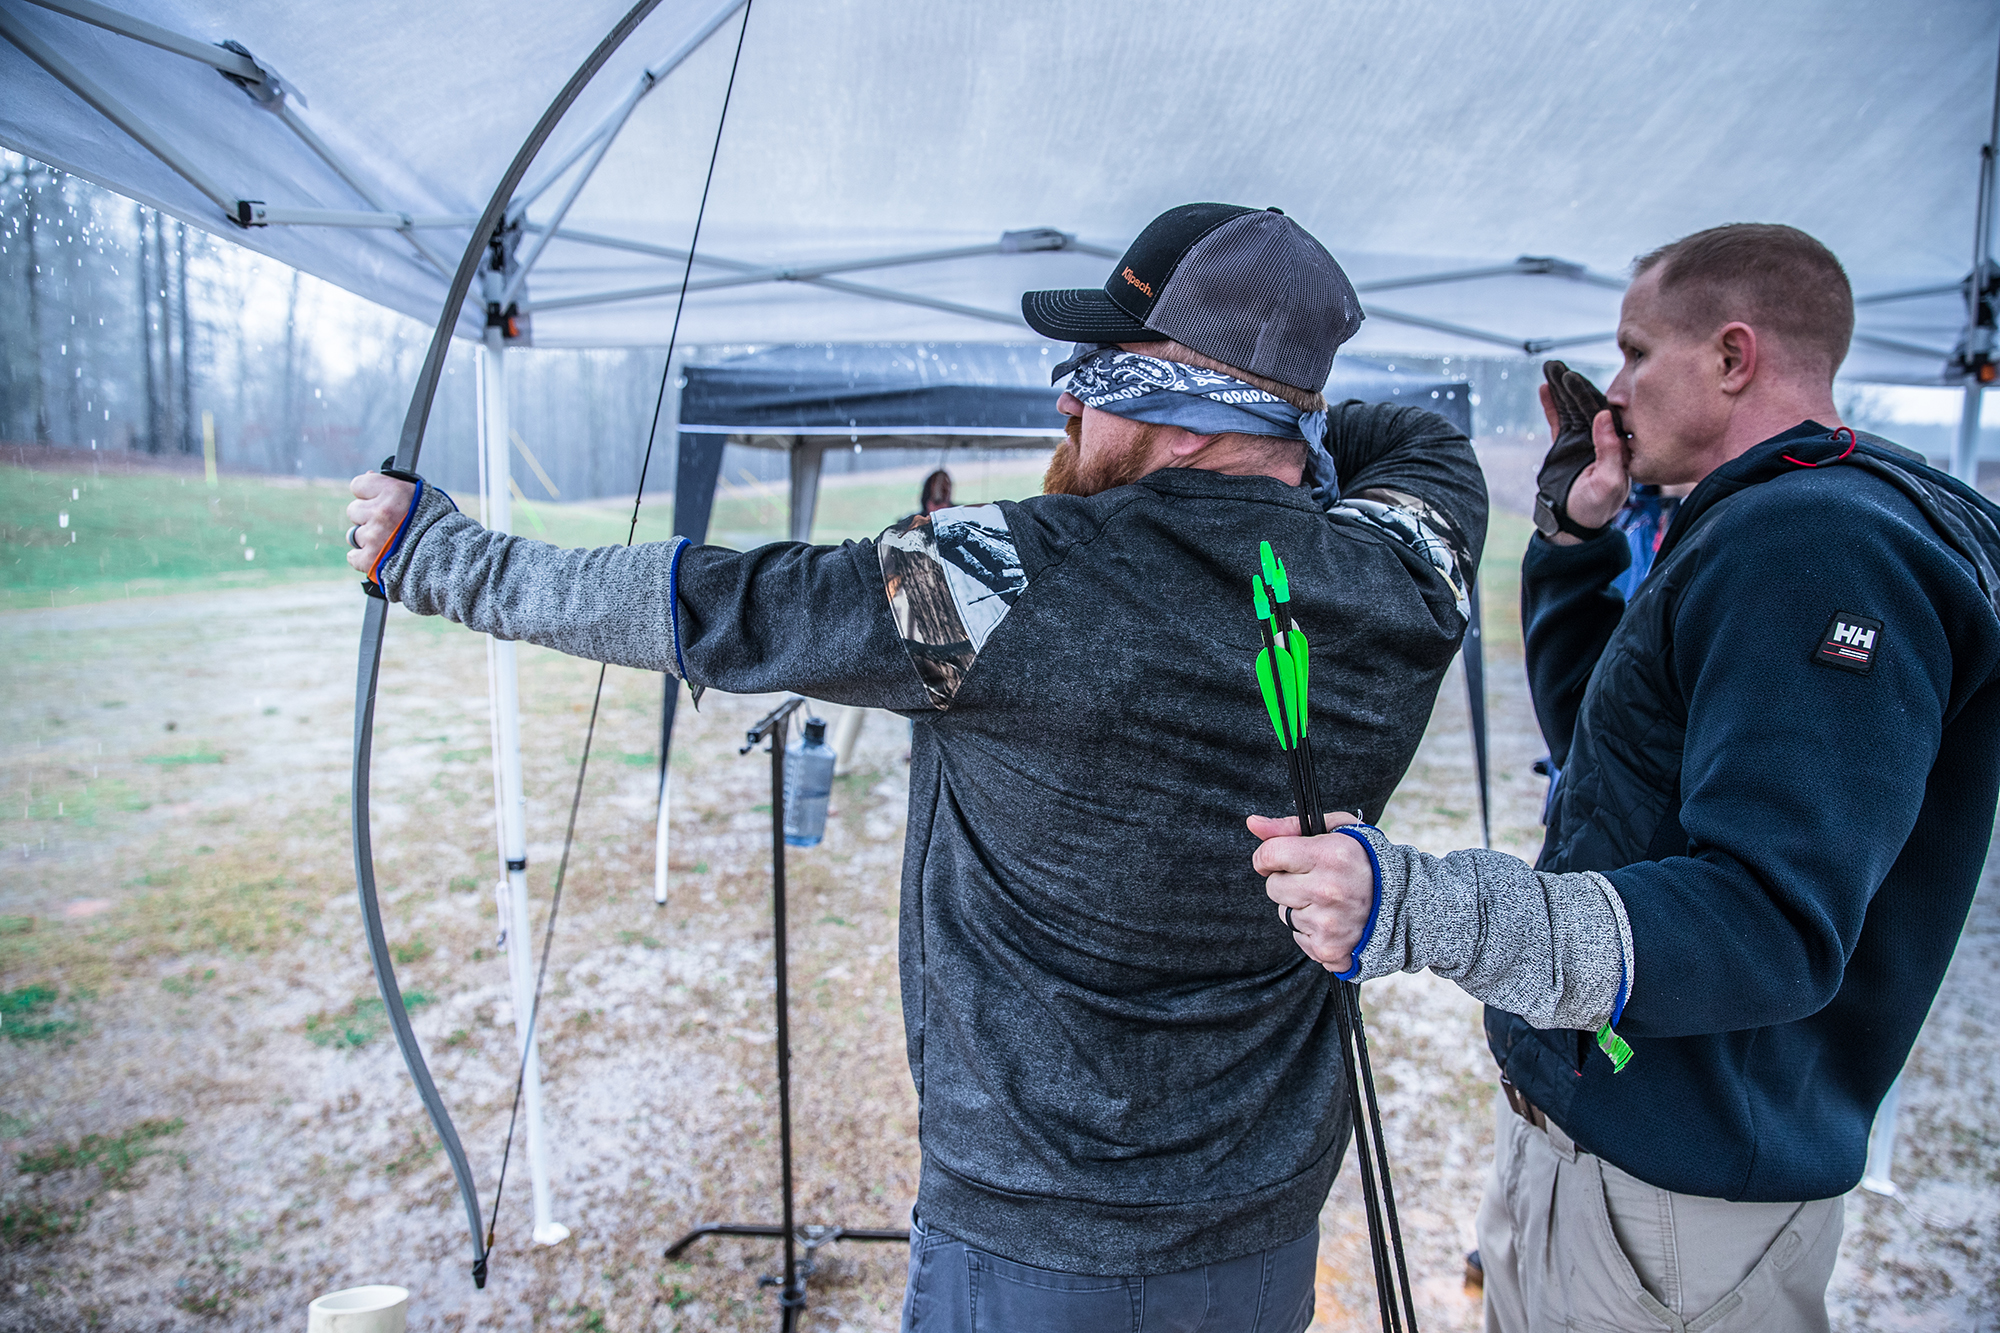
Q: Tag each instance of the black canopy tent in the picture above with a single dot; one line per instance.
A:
(806, 397)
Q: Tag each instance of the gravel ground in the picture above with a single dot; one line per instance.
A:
(211, 1131)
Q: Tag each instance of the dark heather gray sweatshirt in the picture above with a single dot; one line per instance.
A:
(1124, 1063)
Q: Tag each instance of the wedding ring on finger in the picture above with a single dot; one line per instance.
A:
(353, 536)
(1289, 923)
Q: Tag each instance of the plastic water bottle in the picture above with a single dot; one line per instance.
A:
(808, 783)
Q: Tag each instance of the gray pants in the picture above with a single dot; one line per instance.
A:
(1570, 1241)
(957, 1289)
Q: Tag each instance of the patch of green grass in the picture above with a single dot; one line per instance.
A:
(360, 1023)
(423, 1148)
(187, 983)
(201, 754)
(151, 530)
(114, 1155)
(1507, 537)
(16, 925)
(79, 805)
(637, 937)
(207, 909)
(464, 756)
(647, 760)
(20, 1012)
(25, 1222)
(412, 951)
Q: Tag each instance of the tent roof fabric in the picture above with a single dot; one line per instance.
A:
(1413, 138)
(960, 389)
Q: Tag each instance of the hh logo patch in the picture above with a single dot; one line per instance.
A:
(1850, 642)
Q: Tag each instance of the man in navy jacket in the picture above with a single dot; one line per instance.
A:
(1779, 765)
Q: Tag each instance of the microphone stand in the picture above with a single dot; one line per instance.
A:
(792, 1283)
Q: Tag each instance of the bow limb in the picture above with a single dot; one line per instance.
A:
(407, 449)
(366, 678)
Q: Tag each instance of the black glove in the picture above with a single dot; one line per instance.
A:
(1577, 403)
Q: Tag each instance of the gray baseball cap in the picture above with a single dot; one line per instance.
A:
(1247, 286)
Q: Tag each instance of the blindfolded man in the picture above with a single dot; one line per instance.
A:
(1130, 1084)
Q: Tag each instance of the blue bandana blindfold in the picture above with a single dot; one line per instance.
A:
(1207, 402)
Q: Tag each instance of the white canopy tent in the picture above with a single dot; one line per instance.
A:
(897, 171)
(903, 171)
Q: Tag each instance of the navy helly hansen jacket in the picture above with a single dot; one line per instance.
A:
(1784, 752)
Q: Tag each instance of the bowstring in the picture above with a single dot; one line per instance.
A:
(597, 698)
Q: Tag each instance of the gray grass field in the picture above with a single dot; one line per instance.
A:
(203, 1122)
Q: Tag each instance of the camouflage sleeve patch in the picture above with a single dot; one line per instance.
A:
(1418, 526)
(950, 577)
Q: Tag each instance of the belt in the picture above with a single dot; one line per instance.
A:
(1524, 1108)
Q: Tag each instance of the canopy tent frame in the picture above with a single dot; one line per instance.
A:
(269, 91)
(1973, 357)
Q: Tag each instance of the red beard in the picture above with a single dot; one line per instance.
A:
(1067, 474)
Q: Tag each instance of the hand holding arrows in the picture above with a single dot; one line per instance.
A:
(1323, 886)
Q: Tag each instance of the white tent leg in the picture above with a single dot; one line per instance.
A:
(661, 839)
(1875, 1177)
(806, 455)
(503, 663)
(1965, 456)
(846, 731)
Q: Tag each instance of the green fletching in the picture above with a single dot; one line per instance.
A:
(1614, 1046)
(1268, 685)
(1262, 603)
(1270, 562)
(1288, 680)
(1281, 587)
(1301, 655)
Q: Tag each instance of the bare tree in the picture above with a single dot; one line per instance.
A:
(288, 412)
(145, 310)
(38, 403)
(187, 437)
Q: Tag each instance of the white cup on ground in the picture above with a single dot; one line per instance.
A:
(360, 1310)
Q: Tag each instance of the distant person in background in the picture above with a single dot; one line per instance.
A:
(936, 493)
(1648, 513)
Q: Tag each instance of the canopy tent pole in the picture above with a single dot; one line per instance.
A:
(510, 798)
(807, 453)
(1965, 451)
(1473, 648)
(698, 465)
(1973, 358)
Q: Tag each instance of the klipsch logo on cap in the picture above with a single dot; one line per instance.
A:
(1850, 642)
(1133, 278)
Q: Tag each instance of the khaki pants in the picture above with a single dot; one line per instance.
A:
(1569, 1241)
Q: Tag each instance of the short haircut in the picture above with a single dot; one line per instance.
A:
(1778, 280)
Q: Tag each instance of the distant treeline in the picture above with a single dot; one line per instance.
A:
(122, 328)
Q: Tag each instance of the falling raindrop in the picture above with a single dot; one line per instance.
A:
(249, 553)
(62, 520)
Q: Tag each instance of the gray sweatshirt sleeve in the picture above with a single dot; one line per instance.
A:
(1555, 949)
(812, 619)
